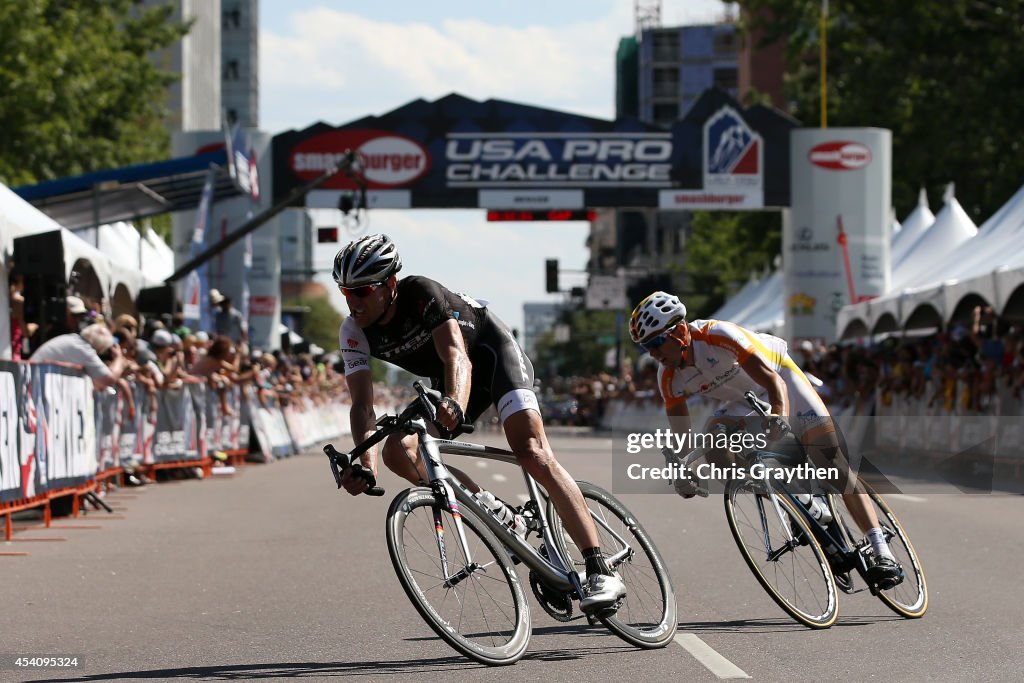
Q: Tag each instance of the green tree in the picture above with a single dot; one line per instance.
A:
(944, 77)
(722, 250)
(79, 90)
(320, 325)
(593, 335)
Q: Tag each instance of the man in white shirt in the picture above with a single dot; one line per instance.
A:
(88, 349)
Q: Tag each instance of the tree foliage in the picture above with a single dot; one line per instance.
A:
(724, 248)
(593, 335)
(320, 325)
(945, 77)
(79, 88)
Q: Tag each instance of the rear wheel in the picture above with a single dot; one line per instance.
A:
(647, 616)
(782, 553)
(910, 597)
(479, 606)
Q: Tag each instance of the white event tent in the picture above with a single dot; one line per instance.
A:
(942, 281)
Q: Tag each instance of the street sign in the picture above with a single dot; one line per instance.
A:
(606, 293)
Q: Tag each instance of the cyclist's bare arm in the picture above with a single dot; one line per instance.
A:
(451, 348)
(679, 418)
(362, 415)
(761, 373)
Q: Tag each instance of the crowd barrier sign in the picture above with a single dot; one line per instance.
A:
(59, 437)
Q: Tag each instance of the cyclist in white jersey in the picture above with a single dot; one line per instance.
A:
(722, 361)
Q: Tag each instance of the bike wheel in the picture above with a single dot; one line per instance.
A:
(647, 616)
(910, 597)
(484, 614)
(796, 573)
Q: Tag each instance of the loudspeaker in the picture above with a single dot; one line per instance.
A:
(41, 254)
(156, 300)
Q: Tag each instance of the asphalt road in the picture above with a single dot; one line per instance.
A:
(273, 574)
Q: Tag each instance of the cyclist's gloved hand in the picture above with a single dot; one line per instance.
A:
(449, 417)
(687, 488)
(357, 479)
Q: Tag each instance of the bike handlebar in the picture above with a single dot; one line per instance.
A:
(342, 461)
(425, 405)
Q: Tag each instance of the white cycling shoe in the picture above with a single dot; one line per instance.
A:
(603, 593)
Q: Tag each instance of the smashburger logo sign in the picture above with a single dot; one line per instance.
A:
(840, 156)
(388, 160)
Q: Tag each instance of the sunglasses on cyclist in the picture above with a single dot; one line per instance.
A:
(654, 342)
(360, 292)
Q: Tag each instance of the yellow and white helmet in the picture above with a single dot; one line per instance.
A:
(654, 315)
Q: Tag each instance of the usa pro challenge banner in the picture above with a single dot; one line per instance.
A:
(457, 152)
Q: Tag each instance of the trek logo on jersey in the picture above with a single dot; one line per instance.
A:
(840, 155)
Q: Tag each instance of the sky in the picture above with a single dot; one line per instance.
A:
(337, 61)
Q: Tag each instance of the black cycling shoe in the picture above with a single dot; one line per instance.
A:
(885, 573)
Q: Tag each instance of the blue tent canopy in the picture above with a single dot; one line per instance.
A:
(129, 192)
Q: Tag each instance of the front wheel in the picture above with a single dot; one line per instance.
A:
(647, 616)
(478, 605)
(782, 553)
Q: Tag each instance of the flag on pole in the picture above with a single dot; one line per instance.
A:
(198, 316)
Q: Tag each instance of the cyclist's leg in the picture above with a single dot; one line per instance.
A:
(525, 433)
(511, 383)
(399, 455)
(816, 431)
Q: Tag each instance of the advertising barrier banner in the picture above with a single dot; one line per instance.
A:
(66, 428)
(10, 432)
(180, 424)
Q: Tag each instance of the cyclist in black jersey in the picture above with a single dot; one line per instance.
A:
(474, 360)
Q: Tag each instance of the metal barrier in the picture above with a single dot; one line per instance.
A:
(60, 438)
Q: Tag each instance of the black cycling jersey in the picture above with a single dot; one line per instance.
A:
(499, 365)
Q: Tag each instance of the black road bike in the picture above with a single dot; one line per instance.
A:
(456, 560)
(801, 562)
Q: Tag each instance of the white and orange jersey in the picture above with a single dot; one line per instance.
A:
(719, 349)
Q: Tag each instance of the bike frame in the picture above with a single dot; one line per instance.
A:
(843, 554)
(553, 570)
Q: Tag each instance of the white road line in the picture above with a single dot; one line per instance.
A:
(482, 464)
(522, 497)
(906, 497)
(706, 655)
(499, 477)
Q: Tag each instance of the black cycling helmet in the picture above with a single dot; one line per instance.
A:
(367, 261)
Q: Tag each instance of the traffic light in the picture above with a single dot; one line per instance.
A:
(326, 235)
(551, 274)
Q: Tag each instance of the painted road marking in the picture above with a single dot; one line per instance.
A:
(499, 477)
(907, 497)
(706, 655)
(482, 464)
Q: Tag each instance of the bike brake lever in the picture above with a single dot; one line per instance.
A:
(340, 462)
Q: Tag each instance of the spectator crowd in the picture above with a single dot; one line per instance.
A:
(971, 369)
(127, 354)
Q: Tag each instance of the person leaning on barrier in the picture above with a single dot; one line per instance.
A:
(93, 348)
(723, 361)
(473, 358)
